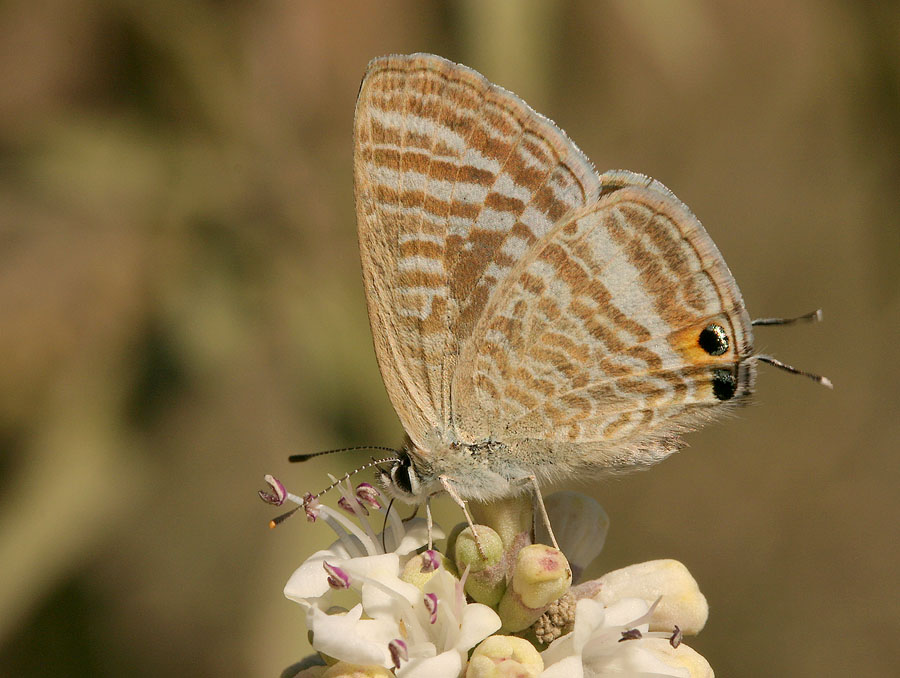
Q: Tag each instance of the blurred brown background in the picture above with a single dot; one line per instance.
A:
(182, 307)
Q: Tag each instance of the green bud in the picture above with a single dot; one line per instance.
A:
(487, 575)
(505, 657)
(511, 518)
(452, 537)
(541, 576)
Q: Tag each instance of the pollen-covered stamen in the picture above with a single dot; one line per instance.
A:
(337, 578)
(431, 604)
(399, 652)
(430, 560)
(311, 506)
(367, 494)
(347, 505)
(631, 634)
(278, 494)
(676, 637)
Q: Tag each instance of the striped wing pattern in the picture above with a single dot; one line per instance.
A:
(515, 295)
(455, 180)
(593, 338)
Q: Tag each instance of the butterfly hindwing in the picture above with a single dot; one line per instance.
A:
(593, 340)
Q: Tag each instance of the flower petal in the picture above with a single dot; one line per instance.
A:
(681, 657)
(416, 536)
(589, 616)
(348, 638)
(631, 658)
(478, 622)
(570, 667)
(310, 581)
(682, 602)
(624, 612)
(382, 588)
(448, 663)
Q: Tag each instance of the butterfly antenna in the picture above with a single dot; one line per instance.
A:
(825, 381)
(814, 316)
(277, 520)
(347, 475)
(294, 458)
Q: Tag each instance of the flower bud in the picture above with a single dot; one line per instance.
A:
(431, 604)
(399, 652)
(505, 657)
(277, 495)
(337, 578)
(347, 670)
(367, 494)
(580, 524)
(511, 518)
(487, 576)
(309, 667)
(680, 601)
(540, 577)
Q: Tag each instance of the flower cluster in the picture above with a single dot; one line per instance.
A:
(382, 605)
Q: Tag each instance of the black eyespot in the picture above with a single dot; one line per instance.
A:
(400, 475)
(713, 339)
(723, 384)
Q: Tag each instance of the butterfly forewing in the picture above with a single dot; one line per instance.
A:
(455, 180)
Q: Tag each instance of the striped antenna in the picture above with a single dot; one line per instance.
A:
(825, 381)
(294, 458)
(312, 498)
(813, 316)
(347, 475)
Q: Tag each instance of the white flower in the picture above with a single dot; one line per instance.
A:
(358, 550)
(680, 601)
(615, 641)
(420, 632)
(372, 601)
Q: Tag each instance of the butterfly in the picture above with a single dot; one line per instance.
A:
(533, 319)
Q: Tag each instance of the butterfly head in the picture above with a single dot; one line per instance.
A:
(403, 480)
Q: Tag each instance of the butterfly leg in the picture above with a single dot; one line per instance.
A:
(539, 500)
(429, 522)
(463, 504)
(543, 510)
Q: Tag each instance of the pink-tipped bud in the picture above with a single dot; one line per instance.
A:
(347, 505)
(311, 506)
(430, 560)
(399, 652)
(337, 578)
(367, 494)
(431, 604)
(278, 494)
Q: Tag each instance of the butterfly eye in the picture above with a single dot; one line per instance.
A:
(713, 339)
(723, 384)
(400, 475)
